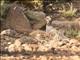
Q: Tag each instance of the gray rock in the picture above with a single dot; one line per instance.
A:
(8, 32)
(66, 24)
(16, 19)
(37, 18)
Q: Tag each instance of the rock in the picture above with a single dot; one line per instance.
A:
(8, 32)
(17, 42)
(37, 18)
(15, 47)
(26, 47)
(66, 24)
(11, 48)
(11, 33)
(16, 19)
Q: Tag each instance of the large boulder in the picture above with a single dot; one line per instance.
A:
(37, 18)
(17, 20)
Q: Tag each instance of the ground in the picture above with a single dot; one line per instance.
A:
(59, 41)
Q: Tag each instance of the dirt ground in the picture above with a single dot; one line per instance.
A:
(42, 45)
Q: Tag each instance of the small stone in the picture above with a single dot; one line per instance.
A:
(8, 32)
(26, 47)
(17, 42)
(11, 48)
(9, 43)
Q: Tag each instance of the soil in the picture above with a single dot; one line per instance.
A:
(41, 45)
